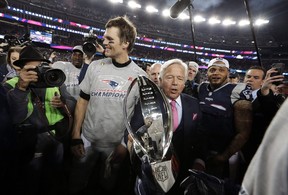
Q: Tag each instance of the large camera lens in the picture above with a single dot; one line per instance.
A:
(89, 48)
(54, 77)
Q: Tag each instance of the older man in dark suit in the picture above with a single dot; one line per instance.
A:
(186, 115)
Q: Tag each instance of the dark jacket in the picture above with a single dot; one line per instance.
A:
(29, 124)
(7, 145)
(18, 101)
(191, 88)
(264, 110)
(7, 135)
(3, 72)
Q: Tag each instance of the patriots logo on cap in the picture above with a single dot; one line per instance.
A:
(113, 84)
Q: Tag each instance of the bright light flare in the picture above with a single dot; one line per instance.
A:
(243, 22)
(166, 12)
(260, 22)
(183, 16)
(199, 18)
(116, 1)
(214, 20)
(134, 5)
(228, 22)
(151, 9)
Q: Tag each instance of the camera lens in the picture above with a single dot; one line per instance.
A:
(54, 77)
(89, 48)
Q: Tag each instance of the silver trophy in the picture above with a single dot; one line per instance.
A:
(152, 141)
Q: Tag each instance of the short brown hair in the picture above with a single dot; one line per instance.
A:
(126, 28)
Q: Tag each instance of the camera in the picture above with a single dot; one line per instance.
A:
(8, 41)
(48, 77)
(90, 42)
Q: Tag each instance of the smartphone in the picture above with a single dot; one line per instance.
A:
(279, 67)
(285, 80)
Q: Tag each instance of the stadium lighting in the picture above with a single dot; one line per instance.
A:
(183, 16)
(214, 20)
(199, 18)
(116, 1)
(243, 23)
(134, 5)
(260, 22)
(228, 22)
(166, 12)
(239, 57)
(151, 9)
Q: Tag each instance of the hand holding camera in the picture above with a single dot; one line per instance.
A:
(40, 76)
(26, 76)
(47, 76)
(273, 76)
(91, 44)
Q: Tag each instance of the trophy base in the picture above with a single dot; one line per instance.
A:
(163, 174)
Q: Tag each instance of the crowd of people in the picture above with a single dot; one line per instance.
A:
(159, 31)
(64, 129)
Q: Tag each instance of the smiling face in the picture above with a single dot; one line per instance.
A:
(114, 48)
(77, 59)
(217, 76)
(173, 80)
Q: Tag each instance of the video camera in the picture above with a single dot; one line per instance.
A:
(8, 41)
(90, 42)
(48, 77)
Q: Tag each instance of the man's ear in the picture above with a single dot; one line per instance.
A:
(125, 45)
(160, 81)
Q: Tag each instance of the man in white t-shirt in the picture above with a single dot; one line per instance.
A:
(101, 159)
(72, 70)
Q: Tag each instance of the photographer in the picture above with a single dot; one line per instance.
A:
(40, 112)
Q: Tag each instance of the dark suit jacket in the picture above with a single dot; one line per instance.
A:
(264, 109)
(186, 141)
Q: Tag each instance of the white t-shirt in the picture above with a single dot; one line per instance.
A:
(107, 85)
(72, 74)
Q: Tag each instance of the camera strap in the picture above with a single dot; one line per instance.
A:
(50, 128)
(40, 107)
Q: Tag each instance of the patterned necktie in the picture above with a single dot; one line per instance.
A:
(174, 114)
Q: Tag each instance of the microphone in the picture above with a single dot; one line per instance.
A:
(178, 8)
(3, 4)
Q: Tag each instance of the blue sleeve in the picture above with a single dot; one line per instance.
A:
(83, 72)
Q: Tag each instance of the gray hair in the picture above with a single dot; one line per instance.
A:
(169, 63)
(155, 64)
(193, 64)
